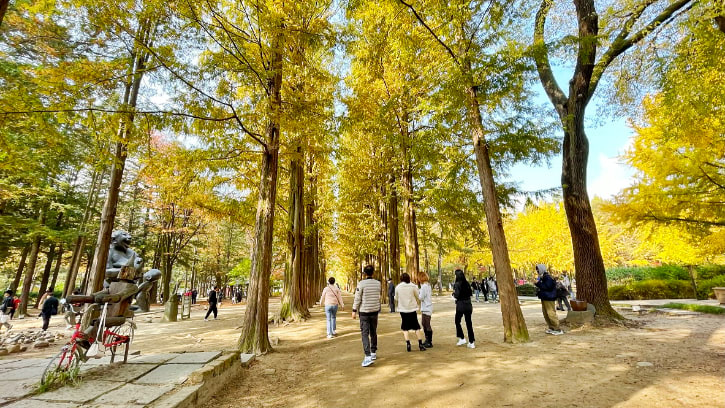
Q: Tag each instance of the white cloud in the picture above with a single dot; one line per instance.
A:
(613, 176)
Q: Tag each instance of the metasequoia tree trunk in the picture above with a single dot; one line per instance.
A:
(19, 273)
(590, 274)
(125, 127)
(393, 233)
(383, 250)
(3, 9)
(254, 337)
(294, 302)
(513, 320)
(81, 238)
(410, 229)
(30, 270)
(312, 238)
(440, 258)
(59, 260)
(46, 273)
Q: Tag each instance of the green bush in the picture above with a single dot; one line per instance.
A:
(710, 271)
(704, 287)
(526, 289)
(652, 289)
(664, 272)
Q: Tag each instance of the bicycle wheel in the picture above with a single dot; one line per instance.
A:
(64, 365)
(119, 336)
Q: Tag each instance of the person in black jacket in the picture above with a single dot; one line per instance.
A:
(50, 307)
(462, 293)
(391, 295)
(7, 308)
(547, 294)
(213, 297)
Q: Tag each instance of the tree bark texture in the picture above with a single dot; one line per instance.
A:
(254, 337)
(294, 304)
(30, 270)
(393, 233)
(46, 273)
(513, 320)
(19, 273)
(56, 271)
(410, 228)
(3, 9)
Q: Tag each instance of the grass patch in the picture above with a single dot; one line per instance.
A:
(696, 308)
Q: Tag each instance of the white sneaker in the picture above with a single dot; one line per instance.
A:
(367, 361)
(373, 356)
(461, 342)
(557, 332)
(329, 336)
(471, 345)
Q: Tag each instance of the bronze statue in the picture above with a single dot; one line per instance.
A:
(142, 299)
(119, 289)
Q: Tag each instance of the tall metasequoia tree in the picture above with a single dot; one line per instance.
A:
(513, 320)
(254, 337)
(19, 273)
(3, 9)
(30, 269)
(136, 71)
(81, 236)
(294, 302)
(394, 232)
(590, 274)
(410, 228)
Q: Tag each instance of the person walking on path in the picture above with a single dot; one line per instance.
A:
(476, 288)
(426, 308)
(547, 294)
(213, 297)
(331, 299)
(194, 292)
(391, 295)
(562, 294)
(50, 308)
(493, 289)
(6, 309)
(367, 305)
(462, 293)
(484, 289)
(407, 298)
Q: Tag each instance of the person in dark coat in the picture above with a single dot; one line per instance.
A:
(194, 292)
(547, 294)
(213, 298)
(7, 308)
(391, 295)
(462, 293)
(50, 308)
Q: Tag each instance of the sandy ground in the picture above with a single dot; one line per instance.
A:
(586, 367)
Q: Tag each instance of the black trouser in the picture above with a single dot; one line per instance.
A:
(464, 309)
(566, 302)
(369, 331)
(46, 320)
(391, 300)
(212, 307)
(485, 295)
(193, 300)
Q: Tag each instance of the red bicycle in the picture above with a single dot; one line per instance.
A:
(66, 364)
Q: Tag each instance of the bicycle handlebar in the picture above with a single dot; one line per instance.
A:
(80, 299)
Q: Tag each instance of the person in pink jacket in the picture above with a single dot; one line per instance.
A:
(331, 299)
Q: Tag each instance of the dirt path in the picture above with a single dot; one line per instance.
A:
(584, 368)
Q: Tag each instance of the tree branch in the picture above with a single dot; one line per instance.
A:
(622, 43)
(541, 57)
(430, 30)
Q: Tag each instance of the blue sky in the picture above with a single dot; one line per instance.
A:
(609, 138)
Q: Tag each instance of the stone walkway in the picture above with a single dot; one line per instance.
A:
(153, 380)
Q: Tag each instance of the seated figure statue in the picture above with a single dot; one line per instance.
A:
(119, 254)
(142, 299)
